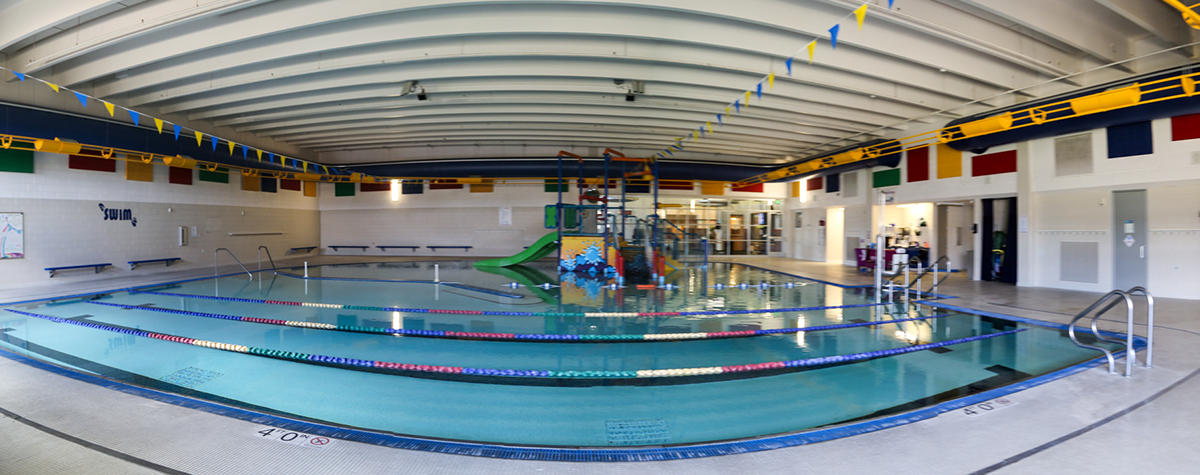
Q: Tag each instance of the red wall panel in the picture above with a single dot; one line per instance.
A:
(918, 164)
(994, 163)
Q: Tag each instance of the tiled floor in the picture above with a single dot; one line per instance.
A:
(1084, 423)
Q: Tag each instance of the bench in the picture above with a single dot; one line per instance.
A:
(305, 249)
(99, 267)
(435, 248)
(335, 248)
(169, 260)
(384, 248)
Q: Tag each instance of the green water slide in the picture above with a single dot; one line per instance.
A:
(529, 277)
(542, 248)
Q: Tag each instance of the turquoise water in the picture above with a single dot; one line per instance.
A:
(546, 414)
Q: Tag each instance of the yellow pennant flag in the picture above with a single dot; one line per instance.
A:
(158, 123)
(305, 167)
(199, 138)
(860, 13)
(812, 47)
(695, 136)
(111, 109)
(747, 99)
(259, 152)
(53, 86)
(710, 130)
(726, 111)
(771, 80)
(231, 145)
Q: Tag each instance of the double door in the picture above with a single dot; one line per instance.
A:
(750, 233)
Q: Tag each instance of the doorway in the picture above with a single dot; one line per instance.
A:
(954, 238)
(998, 261)
(835, 230)
(1129, 236)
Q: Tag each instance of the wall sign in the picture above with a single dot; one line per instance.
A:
(113, 214)
(12, 235)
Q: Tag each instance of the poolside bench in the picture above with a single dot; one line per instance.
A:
(435, 248)
(335, 248)
(169, 260)
(99, 267)
(385, 248)
(297, 249)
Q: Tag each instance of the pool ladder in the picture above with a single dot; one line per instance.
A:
(216, 273)
(1130, 352)
(274, 270)
(907, 288)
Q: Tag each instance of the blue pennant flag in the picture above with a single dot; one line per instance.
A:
(669, 153)
(271, 157)
(294, 163)
(702, 131)
(737, 105)
(177, 129)
(789, 66)
(214, 143)
(719, 122)
(245, 152)
(20, 76)
(759, 90)
(82, 99)
(135, 117)
(833, 35)
(890, 2)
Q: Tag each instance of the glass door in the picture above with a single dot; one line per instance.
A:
(775, 237)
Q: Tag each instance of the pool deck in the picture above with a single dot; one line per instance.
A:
(1089, 422)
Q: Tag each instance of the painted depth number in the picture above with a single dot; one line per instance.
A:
(986, 407)
(295, 438)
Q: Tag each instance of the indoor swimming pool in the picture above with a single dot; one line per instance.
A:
(724, 354)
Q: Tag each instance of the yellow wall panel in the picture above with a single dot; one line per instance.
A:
(716, 189)
(138, 171)
(796, 189)
(949, 162)
(251, 183)
(310, 189)
(486, 187)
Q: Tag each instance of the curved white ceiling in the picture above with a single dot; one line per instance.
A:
(527, 78)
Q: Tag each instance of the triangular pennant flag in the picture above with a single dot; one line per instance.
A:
(771, 80)
(159, 123)
(136, 117)
(53, 86)
(200, 138)
(669, 153)
(245, 153)
(20, 76)
(271, 157)
(695, 136)
(759, 90)
(812, 48)
(231, 146)
(214, 143)
(748, 96)
(702, 131)
(82, 98)
(710, 130)
(305, 167)
(737, 105)
(890, 2)
(178, 129)
(789, 65)
(833, 32)
(112, 110)
(719, 121)
(259, 152)
(860, 13)
(325, 169)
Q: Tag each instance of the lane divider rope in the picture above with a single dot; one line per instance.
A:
(524, 337)
(357, 364)
(499, 313)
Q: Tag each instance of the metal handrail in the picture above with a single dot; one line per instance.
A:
(227, 251)
(1129, 352)
(274, 269)
(1149, 322)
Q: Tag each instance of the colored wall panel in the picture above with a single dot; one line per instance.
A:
(676, 185)
(884, 178)
(833, 183)
(1129, 140)
(292, 185)
(816, 183)
(445, 185)
(251, 183)
(551, 188)
(16, 161)
(99, 164)
(994, 163)
(218, 176)
(796, 189)
(918, 164)
(715, 189)
(412, 188)
(1185, 127)
(179, 176)
(310, 189)
(138, 171)
(755, 188)
(486, 187)
(631, 189)
(370, 187)
(344, 189)
(269, 185)
(949, 162)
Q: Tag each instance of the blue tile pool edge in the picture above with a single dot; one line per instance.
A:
(559, 454)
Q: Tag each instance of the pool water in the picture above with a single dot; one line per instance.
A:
(550, 410)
